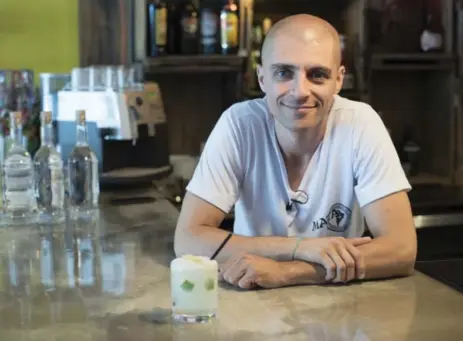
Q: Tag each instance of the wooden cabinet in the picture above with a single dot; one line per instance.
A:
(413, 90)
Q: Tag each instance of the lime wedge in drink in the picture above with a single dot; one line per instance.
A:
(209, 284)
(187, 286)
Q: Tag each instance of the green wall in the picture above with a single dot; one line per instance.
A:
(41, 35)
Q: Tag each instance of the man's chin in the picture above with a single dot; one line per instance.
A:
(298, 126)
(308, 122)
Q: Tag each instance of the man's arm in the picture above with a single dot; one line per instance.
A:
(392, 252)
(299, 273)
(250, 271)
(381, 190)
(267, 261)
(197, 233)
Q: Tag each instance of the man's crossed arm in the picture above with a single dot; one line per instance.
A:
(281, 261)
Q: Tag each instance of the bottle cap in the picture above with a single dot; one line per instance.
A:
(80, 116)
(46, 117)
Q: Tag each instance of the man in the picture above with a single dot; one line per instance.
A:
(304, 168)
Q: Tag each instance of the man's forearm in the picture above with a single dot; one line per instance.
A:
(380, 262)
(204, 240)
(299, 273)
(384, 257)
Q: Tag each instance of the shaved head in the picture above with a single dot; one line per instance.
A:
(301, 71)
(306, 28)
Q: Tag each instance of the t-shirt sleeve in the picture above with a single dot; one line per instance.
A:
(219, 173)
(377, 168)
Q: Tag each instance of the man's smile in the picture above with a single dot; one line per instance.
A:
(301, 107)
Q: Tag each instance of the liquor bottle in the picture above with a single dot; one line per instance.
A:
(83, 178)
(209, 28)
(48, 175)
(157, 27)
(255, 56)
(229, 28)
(190, 24)
(18, 176)
(432, 36)
(174, 30)
(266, 26)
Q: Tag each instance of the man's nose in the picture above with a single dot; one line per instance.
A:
(302, 86)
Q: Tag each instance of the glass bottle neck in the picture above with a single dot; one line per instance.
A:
(46, 134)
(16, 132)
(81, 135)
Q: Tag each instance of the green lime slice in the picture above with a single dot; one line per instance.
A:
(187, 286)
(209, 284)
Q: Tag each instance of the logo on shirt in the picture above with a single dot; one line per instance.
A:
(337, 220)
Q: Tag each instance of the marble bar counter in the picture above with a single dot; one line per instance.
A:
(109, 280)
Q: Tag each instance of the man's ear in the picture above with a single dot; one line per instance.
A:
(340, 78)
(260, 77)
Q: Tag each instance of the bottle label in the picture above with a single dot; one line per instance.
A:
(18, 192)
(17, 200)
(190, 25)
(230, 29)
(161, 26)
(430, 41)
(208, 27)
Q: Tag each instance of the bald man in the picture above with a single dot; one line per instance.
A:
(304, 169)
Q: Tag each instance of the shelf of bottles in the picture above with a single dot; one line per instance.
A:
(411, 35)
(194, 36)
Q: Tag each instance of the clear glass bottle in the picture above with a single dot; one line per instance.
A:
(83, 177)
(18, 176)
(48, 175)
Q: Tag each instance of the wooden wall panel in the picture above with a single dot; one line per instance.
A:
(103, 29)
(193, 104)
(424, 101)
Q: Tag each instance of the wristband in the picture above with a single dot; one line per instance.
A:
(298, 241)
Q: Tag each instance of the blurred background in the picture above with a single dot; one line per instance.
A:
(179, 63)
(403, 58)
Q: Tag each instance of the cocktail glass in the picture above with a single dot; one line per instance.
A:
(194, 289)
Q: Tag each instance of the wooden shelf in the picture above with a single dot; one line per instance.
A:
(428, 179)
(194, 64)
(412, 61)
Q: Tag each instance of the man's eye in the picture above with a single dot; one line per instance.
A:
(283, 74)
(318, 75)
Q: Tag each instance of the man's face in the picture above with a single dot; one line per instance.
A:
(300, 76)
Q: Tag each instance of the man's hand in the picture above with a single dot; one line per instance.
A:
(341, 259)
(249, 271)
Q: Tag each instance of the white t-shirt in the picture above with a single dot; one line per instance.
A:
(354, 165)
